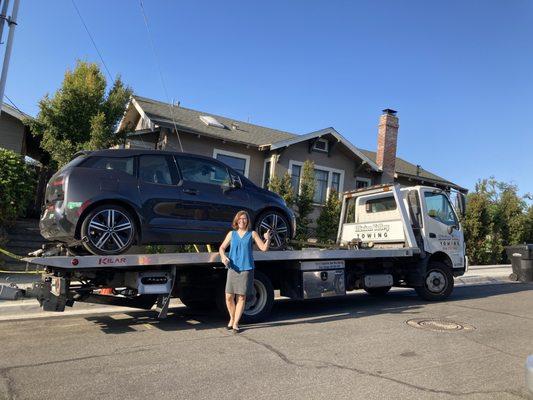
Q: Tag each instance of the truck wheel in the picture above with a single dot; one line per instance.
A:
(438, 282)
(108, 230)
(378, 291)
(279, 227)
(259, 305)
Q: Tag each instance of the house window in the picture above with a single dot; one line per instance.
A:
(296, 170)
(326, 179)
(335, 181)
(321, 187)
(362, 183)
(266, 174)
(239, 162)
(321, 145)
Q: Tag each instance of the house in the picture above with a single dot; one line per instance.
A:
(260, 153)
(15, 134)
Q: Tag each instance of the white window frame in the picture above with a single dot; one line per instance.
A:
(323, 141)
(236, 155)
(367, 180)
(330, 177)
(271, 160)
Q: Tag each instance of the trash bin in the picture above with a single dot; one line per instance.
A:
(522, 262)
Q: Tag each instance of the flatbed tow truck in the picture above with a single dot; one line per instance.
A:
(388, 236)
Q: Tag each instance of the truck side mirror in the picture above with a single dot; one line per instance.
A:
(460, 204)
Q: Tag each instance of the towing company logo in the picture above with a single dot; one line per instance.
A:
(372, 231)
(111, 260)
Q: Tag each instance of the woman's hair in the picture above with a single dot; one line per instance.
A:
(235, 224)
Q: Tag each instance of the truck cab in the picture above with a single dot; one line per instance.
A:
(423, 217)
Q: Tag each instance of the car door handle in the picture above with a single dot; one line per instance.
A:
(191, 191)
(432, 235)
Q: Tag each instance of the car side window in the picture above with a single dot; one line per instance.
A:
(122, 164)
(155, 169)
(203, 171)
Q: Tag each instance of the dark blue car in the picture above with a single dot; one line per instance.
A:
(108, 200)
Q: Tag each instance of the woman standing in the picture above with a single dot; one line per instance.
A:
(240, 264)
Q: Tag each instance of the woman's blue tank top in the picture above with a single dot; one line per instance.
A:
(240, 253)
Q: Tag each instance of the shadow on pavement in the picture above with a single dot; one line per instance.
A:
(289, 312)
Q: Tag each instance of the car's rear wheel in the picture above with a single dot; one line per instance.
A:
(108, 230)
(279, 226)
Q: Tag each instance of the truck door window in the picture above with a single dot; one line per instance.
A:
(439, 208)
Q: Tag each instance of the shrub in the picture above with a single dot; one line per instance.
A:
(17, 186)
(328, 221)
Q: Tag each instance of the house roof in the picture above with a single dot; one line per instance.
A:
(164, 114)
(409, 170)
(14, 112)
(331, 131)
(189, 120)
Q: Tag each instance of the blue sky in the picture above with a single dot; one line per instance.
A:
(458, 72)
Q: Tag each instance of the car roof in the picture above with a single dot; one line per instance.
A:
(136, 152)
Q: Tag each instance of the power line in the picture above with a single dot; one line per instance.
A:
(92, 40)
(160, 72)
(13, 104)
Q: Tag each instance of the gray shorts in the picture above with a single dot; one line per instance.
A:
(240, 282)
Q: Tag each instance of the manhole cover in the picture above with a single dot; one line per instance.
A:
(439, 325)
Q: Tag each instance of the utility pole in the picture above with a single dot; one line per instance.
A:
(3, 17)
(11, 23)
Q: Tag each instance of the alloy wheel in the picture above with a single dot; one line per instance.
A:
(278, 227)
(110, 231)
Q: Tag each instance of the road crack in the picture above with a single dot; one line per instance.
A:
(319, 364)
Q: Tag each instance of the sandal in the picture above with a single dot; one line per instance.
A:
(236, 330)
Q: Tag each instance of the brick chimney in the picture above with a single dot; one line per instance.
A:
(387, 139)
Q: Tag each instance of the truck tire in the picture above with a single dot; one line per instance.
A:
(258, 308)
(108, 230)
(438, 282)
(378, 291)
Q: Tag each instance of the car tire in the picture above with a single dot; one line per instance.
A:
(438, 282)
(108, 230)
(378, 291)
(279, 225)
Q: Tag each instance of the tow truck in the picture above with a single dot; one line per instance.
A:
(388, 236)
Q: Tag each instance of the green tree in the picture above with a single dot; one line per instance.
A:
(304, 200)
(17, 183)
(328, 221)
(283, 187)
(80, 115)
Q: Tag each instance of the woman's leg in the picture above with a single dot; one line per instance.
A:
(230, 304)
(239, 308)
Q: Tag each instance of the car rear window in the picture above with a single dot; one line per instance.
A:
(122, 164)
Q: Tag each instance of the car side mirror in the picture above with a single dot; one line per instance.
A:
(460, 204)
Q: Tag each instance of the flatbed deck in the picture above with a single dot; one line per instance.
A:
(188, 259)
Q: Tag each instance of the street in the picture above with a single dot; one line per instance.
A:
(353, 347)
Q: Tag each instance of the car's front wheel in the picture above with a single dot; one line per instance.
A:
(108, 230)
(279, 227)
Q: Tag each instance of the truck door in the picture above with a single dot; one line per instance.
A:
(442, 231)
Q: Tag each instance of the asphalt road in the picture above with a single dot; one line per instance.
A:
(349, 348)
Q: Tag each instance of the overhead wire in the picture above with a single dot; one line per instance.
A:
(92, 40)
(13, 104)
(170, 107)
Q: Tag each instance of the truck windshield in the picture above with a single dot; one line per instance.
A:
(439, 208)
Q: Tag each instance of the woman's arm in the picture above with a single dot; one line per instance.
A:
(222, 249)
(263, 246)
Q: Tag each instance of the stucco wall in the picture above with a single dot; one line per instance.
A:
(11, 133)
(205, 145)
